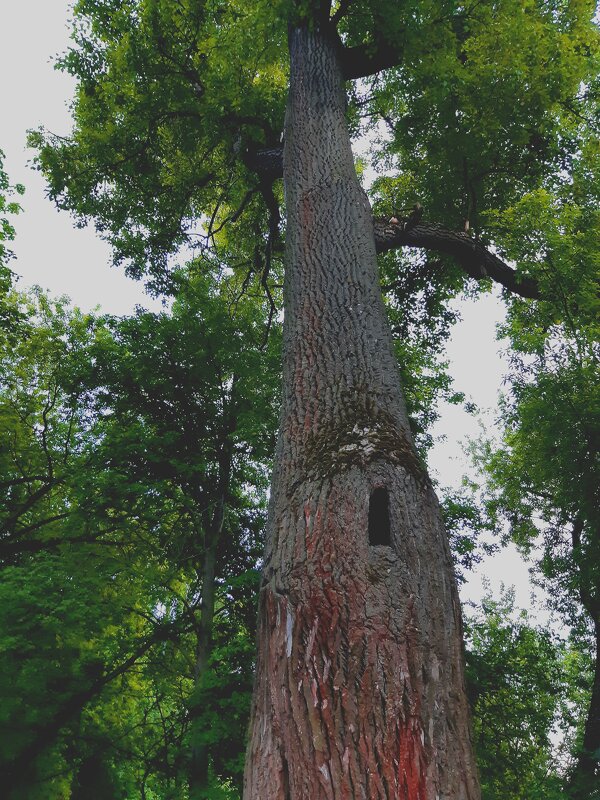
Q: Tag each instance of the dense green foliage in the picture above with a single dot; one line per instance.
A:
(168, 98)
(173, 98)
(107, 500)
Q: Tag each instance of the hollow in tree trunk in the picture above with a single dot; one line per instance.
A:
(359, 688)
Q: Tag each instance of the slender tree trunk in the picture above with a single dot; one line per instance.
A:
(200, 754)
(585, 781)
(359, 689)
(198, 776)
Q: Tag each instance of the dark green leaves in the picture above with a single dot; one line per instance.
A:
(169, 97)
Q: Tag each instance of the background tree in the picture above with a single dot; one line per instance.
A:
(123, 568)
(516, 676)
(544, 480)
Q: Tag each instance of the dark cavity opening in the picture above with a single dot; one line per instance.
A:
(379, 517)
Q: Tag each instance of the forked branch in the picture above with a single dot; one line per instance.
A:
(365, 59)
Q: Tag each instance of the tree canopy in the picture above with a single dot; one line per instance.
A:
(179, 114)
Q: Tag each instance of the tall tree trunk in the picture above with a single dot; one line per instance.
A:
(585, 784)
(359, 688)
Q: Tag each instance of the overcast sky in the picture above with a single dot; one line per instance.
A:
(53, 253)
(50, 251)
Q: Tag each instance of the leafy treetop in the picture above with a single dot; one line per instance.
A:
(179, 111)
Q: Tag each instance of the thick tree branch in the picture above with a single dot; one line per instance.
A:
(476, 260)
(266, 162)
(364, 60)
(11, 550)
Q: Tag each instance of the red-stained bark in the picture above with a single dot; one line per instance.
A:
(359, 689)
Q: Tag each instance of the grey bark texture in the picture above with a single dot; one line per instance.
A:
(359, 688)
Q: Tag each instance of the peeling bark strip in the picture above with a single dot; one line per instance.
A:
(359, 688)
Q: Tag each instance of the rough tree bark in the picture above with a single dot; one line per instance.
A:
(359, 689)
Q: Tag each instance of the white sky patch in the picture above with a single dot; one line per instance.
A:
(50, 251)
(478, 367)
